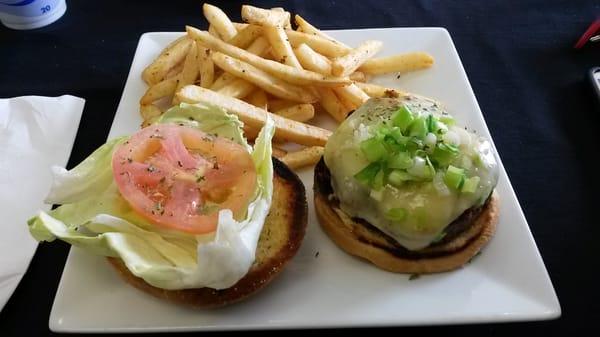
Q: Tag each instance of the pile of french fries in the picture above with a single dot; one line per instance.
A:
(265, 68)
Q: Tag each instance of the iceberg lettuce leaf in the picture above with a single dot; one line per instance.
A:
(95, 217)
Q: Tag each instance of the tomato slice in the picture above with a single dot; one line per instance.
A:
(179, 177)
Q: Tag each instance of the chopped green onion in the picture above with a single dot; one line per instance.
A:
(447, 120)
(378, 181)
(401, 160)
(470, 185)
(431, 168)
(402, 118)
(381, 132)
(373, 149)
(396, 134)
(444, 153)
(431, 123)
(398, 177)
(454, 177)
(367, 174)
(414, 144)
(396, 214)
(418, 128)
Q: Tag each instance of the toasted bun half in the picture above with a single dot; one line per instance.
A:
(361, 239)
(279, 241)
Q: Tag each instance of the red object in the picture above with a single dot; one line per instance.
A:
(591, 31)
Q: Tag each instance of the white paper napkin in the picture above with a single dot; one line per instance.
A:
(35, 133)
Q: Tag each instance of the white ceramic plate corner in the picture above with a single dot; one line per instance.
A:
(507, 282)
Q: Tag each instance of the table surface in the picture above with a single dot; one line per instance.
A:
(529, 81)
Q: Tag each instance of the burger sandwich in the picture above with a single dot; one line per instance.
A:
(184, 209)
(403, 186)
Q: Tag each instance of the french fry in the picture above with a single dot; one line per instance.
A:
(286, 129)
(319, 44)
(287, 24)
(400, 63)
(308, 156)
(159, 90)
(265, 81)
(175, 70)
(259, 47)
(358, 76)
(285, 72)
(239, 88)
(213, 31)
(245, 37)
(250, 132)
(280, 46)
(374, 90)
(169, 58)
(189, 73)
(223, 80)
(279, 104)
(351, 96)
(311, 60)
(298, 112)
(149, 112)
(272, 22)
(334, 107)
(278, 152)
(347, 64)
(265, 17)
(239, 26)
(219, 20)
(306, 27)
(206, 68)
(258, 98)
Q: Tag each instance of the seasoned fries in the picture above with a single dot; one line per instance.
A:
(374, 90)
(219, 20)
(398, 63)
(206, 67)
(278, 152)
(285, 72)
(319, 44)
(245, 36)
(263, 67)
(189, 73)
(223, 80)
(358, 76)
(351, 95)
(169, 58)
(305, 27)
(259, 99)
(239, 88)
(265, 81)
(161, 89)
(280, 46)
(347, 64)
(306, 157)
(286, 129)
(311, 60)
(334, 107)
(149, 112)
(264, 17)
(298, 112)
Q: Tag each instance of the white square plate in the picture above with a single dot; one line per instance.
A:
(323, 286)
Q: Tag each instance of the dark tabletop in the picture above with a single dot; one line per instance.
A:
(529, 82)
